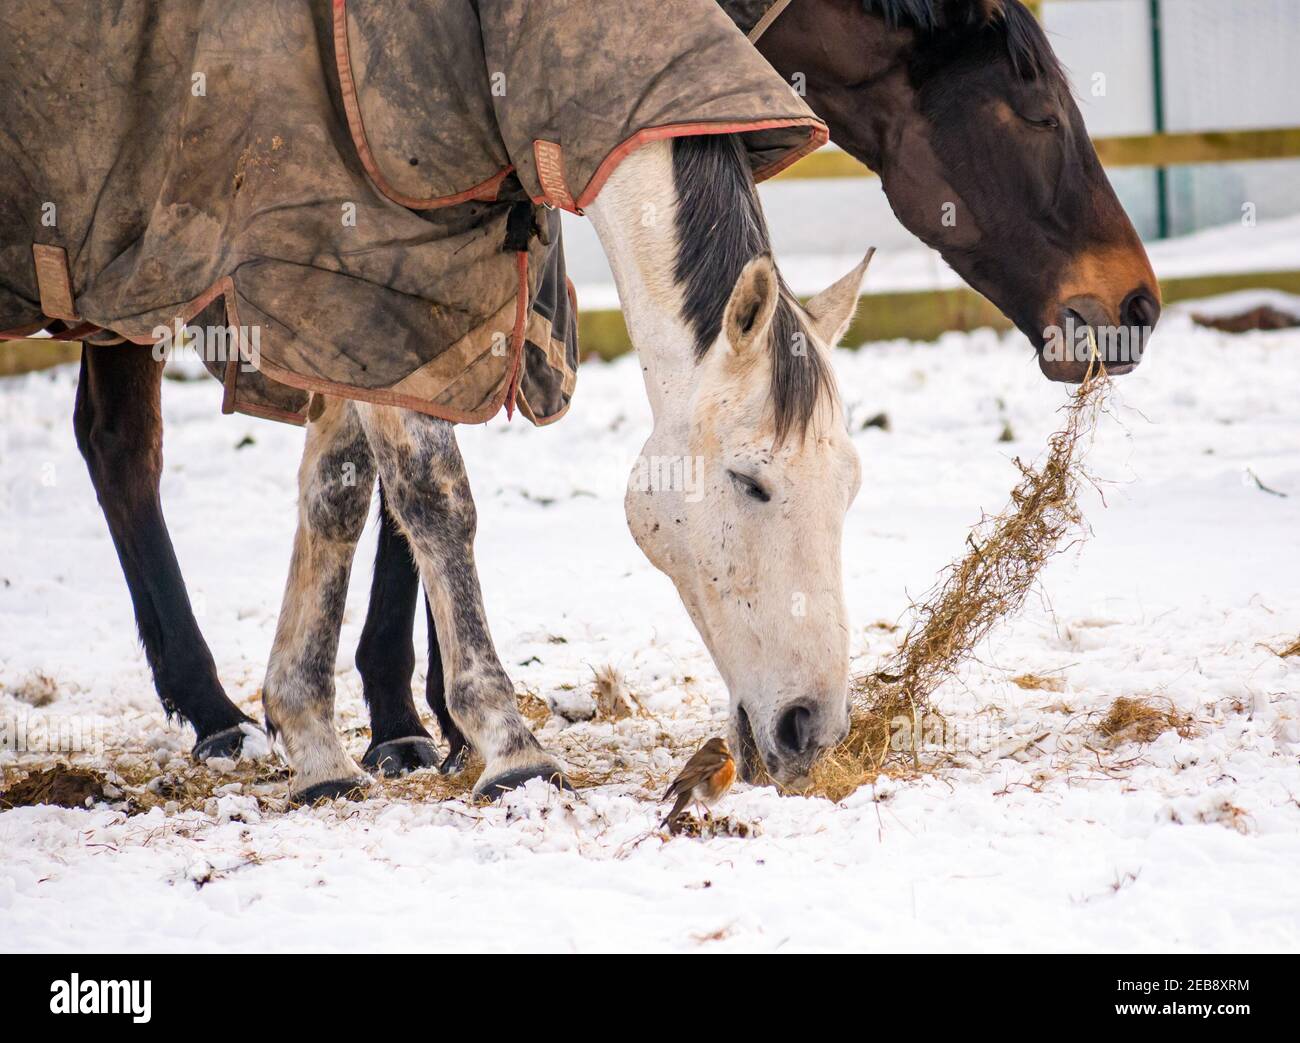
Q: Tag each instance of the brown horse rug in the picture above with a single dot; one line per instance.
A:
(362, 190)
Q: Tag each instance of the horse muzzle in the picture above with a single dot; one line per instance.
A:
(1085, 333)
(786, 750)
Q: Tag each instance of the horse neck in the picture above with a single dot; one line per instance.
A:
(854, 70)
(635, 218)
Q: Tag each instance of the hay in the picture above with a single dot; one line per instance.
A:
(533, 708)
(1039, 683)
(613, 701)
(1291, 650)
(1142, 720)
(891, 707)
(36, 690)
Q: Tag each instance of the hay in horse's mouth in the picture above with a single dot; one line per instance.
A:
(1007, 553)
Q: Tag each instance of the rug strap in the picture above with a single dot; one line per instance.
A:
(518, 334)
(54, 282)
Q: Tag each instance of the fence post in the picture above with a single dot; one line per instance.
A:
(1158, 104)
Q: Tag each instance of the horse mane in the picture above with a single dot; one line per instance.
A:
(720, 229)
(1027, 45)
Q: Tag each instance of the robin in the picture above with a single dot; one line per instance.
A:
(707, 776)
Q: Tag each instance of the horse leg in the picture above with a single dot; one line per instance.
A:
(429, 496)
(334, 483)
(435, 694)
(386, 661)
(118, 423)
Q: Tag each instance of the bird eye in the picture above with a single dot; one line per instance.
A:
(750, 487)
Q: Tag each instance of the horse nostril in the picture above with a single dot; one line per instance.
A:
(1139, 309)
(794, 731)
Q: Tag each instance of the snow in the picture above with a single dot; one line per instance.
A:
(1189, 581)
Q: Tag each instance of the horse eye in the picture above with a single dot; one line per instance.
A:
(1046, 122)
(750, 487)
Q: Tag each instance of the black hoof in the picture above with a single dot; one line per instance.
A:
(456, 761)
(226, 743)
(399, 756)
(351, 789)
(494, 788)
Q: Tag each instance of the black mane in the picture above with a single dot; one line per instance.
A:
(720, 229)
(1027, 45)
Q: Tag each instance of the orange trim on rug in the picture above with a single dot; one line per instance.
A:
(78, 332)
(817, 137)
(25, 332)
(54, 282)
(485, 191)
(549, 158)
(518, 334)
(269, 413)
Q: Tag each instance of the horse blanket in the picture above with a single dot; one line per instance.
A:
(361, 192)
(753, 17)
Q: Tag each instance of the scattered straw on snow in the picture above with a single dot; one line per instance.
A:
(1142, 720)
(36, 690)
(1007, 553)
(1039, 683)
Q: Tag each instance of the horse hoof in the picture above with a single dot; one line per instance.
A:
(455, 762)
(226, 743)
(351, 789)
(399, 756)
(494, 787)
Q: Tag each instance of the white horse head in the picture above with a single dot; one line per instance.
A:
(742, 488)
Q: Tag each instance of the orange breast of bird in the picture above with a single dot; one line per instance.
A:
(721, 779)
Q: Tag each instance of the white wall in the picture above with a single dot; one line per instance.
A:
(1228, 65)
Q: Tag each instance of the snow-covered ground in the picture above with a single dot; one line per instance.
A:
(1190, 580)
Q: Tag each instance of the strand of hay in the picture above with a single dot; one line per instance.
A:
(1142, 720)
(891, 714)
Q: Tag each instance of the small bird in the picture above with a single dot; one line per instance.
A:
(707, 776)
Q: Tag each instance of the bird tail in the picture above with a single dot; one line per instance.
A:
(682, 800)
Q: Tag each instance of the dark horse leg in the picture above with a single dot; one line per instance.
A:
(386, 662)
(118, 421)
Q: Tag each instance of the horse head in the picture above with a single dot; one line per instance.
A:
(964, 111)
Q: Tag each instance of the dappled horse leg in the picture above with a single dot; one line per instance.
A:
(428, 494)
(118, 422)
(385, 658)
(386, 661)
(335, 480)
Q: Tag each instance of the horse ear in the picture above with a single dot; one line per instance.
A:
(752, 304)
(832, 310)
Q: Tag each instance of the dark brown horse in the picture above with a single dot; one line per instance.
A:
(958, 105)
